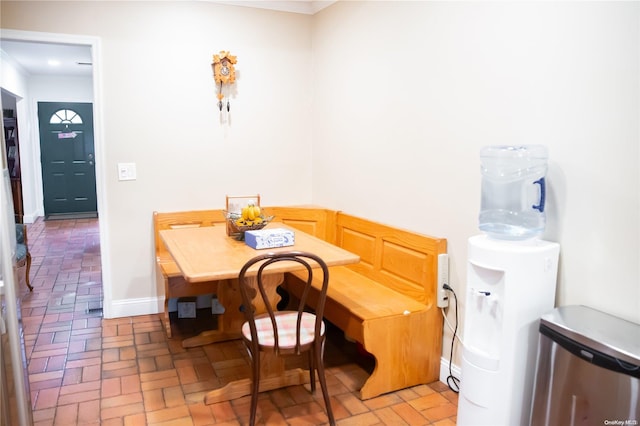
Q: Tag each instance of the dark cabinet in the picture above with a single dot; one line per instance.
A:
(13, 165)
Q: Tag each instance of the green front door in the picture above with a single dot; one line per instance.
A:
(68, 158)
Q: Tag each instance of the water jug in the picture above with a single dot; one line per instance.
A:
(513, 191)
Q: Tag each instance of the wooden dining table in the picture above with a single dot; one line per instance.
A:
(209, 254)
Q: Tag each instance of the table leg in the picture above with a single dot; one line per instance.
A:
(230, 323)
(272, 376)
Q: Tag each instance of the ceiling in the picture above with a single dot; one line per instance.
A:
(75, 60)
(34, 57)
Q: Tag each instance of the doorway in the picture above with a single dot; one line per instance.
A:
(28, 107)
(68, 160)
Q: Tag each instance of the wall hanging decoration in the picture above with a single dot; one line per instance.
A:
(223, 73)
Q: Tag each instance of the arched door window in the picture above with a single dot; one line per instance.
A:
(65, 116)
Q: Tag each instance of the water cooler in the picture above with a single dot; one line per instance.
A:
(511, 283)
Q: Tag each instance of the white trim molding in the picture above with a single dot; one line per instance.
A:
(135, 307)
(444, 370)
(98, 137)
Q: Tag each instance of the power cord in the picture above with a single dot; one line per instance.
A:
(449, 326)
(452, 381)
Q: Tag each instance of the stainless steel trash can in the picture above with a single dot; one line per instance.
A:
(588, 370)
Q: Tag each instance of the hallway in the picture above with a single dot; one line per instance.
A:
(87, 370)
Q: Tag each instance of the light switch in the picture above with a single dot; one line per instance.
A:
(126, 171)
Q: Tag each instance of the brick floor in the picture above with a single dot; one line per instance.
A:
(86, 370)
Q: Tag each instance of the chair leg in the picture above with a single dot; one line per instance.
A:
(312, 371)
(255, 385)
(28, 268)
(319, 361)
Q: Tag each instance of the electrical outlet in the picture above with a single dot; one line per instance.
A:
(443, 278)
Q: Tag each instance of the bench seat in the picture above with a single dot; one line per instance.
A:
(352, 296)
(168, 275)
(390, 326)
(169, 267)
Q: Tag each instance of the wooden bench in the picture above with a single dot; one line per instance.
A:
(387, 301)
(167, 272)
(315, 221)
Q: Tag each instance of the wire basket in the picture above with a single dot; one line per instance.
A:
(237, 226)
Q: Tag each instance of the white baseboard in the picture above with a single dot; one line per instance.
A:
(135, 307)
(444, 370)
(29, 218)
(148, 306)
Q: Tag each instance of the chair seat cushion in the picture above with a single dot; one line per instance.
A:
(21, 252)
(19, 233)
(286, 323)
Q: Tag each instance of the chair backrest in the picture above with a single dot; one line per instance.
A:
(258, 292)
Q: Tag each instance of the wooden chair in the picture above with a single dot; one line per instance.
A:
(283, 332)
(23, 257)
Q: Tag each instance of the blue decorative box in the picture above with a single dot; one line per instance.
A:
(269, 238)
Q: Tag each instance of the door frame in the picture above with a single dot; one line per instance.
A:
(99, 141)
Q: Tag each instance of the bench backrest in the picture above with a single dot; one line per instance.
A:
(403, 261)
(315, 221)
(186, 219)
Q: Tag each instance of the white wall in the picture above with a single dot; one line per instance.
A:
(14, 81)
(159, 111)
(406, 94)
(13, 77)
(397, 98)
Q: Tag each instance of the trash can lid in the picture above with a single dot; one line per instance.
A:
(603, 332)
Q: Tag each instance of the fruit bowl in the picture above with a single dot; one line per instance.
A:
(237, 225)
